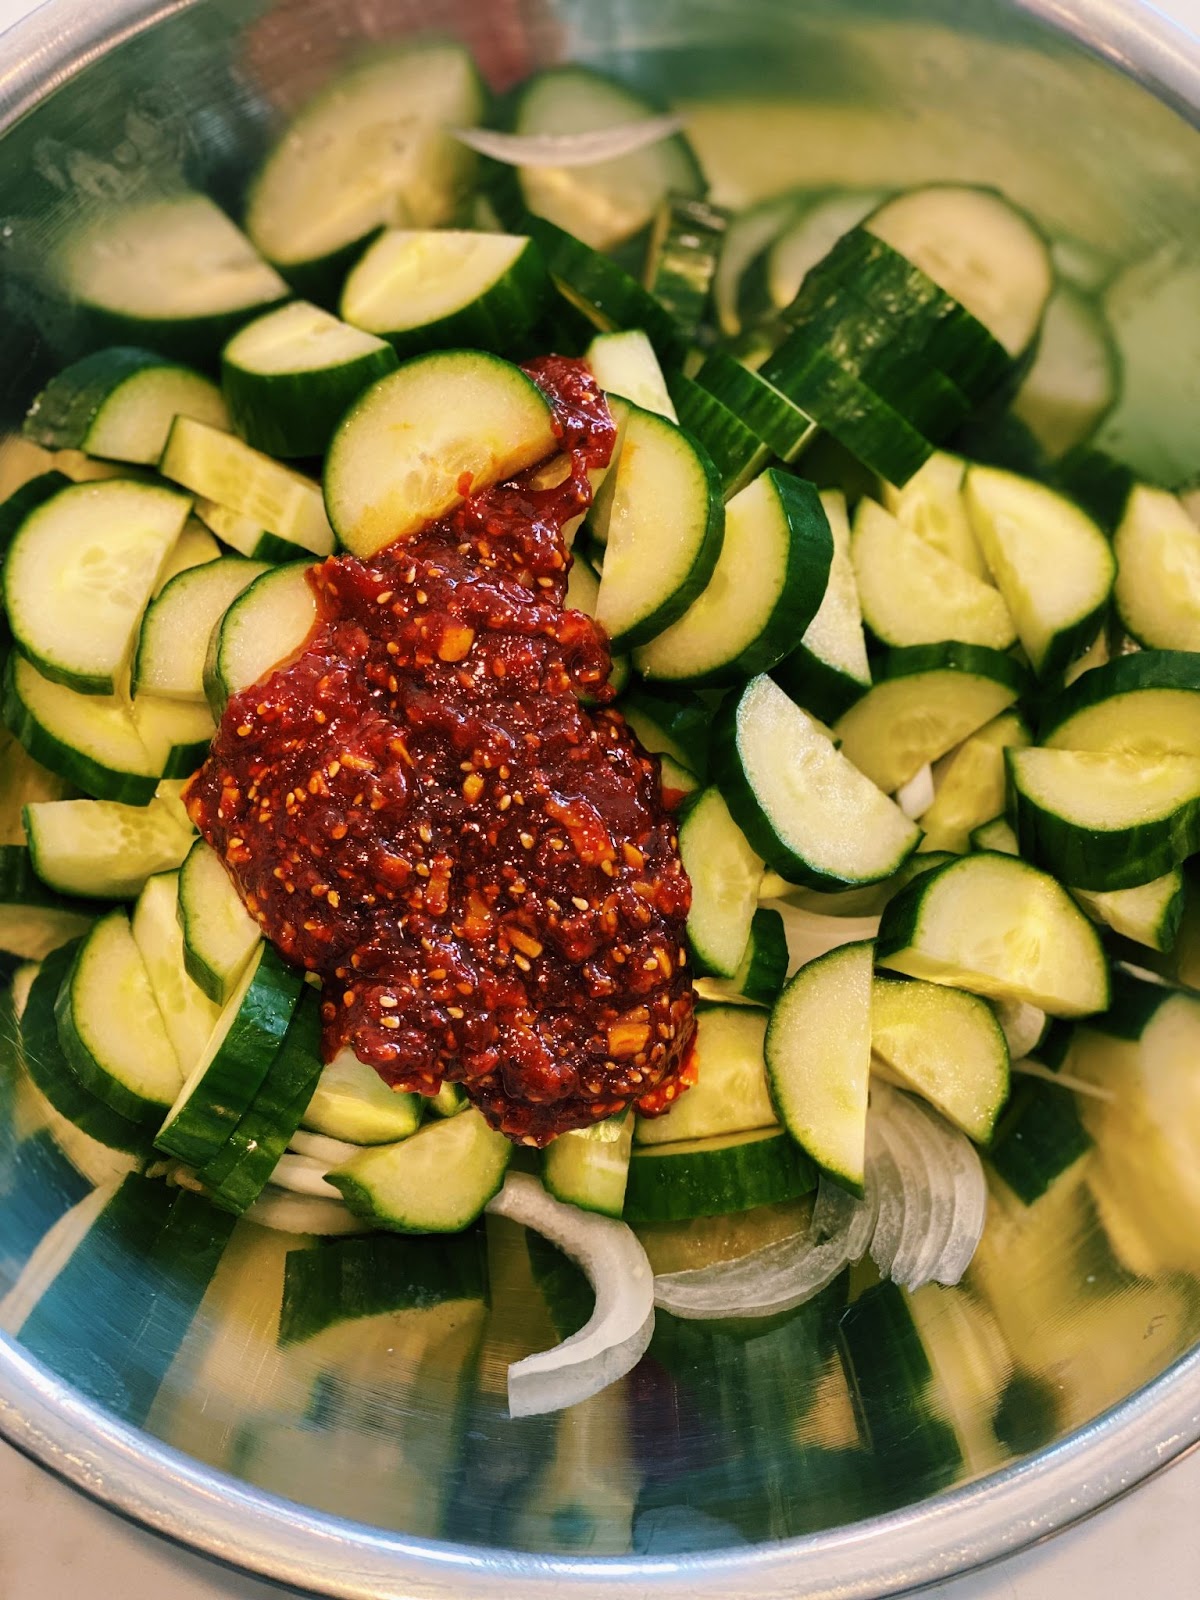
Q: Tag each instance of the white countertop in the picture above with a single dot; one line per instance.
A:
(56, 1545)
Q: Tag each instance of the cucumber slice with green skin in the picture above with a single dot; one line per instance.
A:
(589, 1167)
(1157, 589)
(944, 1045)
(187, 1013)
(469, 420)
(23, 782)
(34, 920)
(22, 503)
(829, 671)
(172, 274)
(53, 1074)
(103, 850)
(448, 1101)
(445, 290)
(977, 247)
(604, 292)
(246, 536)
(110, 1027)
(810, 238)
(583, 591)
(1039, 1136)
(351, 1101)
(681, 258)
(223, 468)
(762, 970)
(194, 547)
(177, 733)
(996, 836)
(738, 454)
(371, 150)
(609, 201)
(1105, 820)
(439, 1181)
(176, 627)
(671, 722)
(265, 626)
(767, 586)
(79, 573)
(88, 740)
(239, 1172)
(911, 594)
(716, 1177)
(1050, 561)
(119, 403)
(998, 927)
(290, 377)
(972, 788)
(1149, 914)
(1074, 380)
(747, 238)
(625, 364)
(662, 523)
(818, 1053)
(759, 404)
(219, 934)
(1146, 704)
(931, 504)
(1097, 482)
(222, 1085)
(925, 700)
(725, 874)
(730, 1094)
(807, 810)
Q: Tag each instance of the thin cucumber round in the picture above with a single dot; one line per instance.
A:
(811, 815)
(828, 671)
(177, 733)
(672, 722)
(219, 934)
(35, 919)
(265, 626)
(997, 836)
(1157, 590)
(438, 1181)
(101, 849)
(1074, 380)
(730, 1094)
(194, 547)
(1146, 703)
(1149, 914)
(972, 787)
(352, 1102)
(246, 536)
(603, 291)
(589, 1167)
(467, 419)
(998, 927)
(625, 364)
(758, 404)
(931, 504)
(682, 255)
(762, 970)
(188, 1014)
(737, 452)
(810, 238)
(766, 588)
(715, 1177)
(725, 874)
(173, 641)
(818, 1054)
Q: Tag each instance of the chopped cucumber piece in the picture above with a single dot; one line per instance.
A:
(265, 626)
(176, 627)
(725, 875)
(760, 405)
(730, 1095)
(944, 1045)
(1147, 704)
(738, 454)
(1074, 380)
(438, 1181)
(715, 1177)
(219, 934)
(89, 740)
(971, 786)
(177, 733)
(818, 1052)
(763, 968)
(1149, 914)
(1157, 590)
(802, 805)
(104, 850)
(829, 671)
(602, 292)
(120, 403)
(997, 836)
(810, 238)
(999, 927)
(352, 1102)
(195, 547)
(188, 1014)
(625, 364)
(246, 535)
(671, 722)
(931, 504)
(681, 258)
(747, 239)
(466, 420)
(589, 1167)
(34, 920)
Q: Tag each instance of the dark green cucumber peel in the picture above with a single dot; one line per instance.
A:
(23, 502)
(671, 1183)
(737, 451)
(295, 414)
(1128, 674)
(759, 405)
(675, 721)
(823, 690)
(65, 409)
(615, 299)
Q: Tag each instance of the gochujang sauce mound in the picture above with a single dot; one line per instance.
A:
(418, 808)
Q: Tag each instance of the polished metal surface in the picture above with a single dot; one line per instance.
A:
(377, 1458)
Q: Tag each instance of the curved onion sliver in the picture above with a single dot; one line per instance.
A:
(917, 795)
(285, 1212)
(304, 1175)
(970, 1198)
(333, 1152)
(889, 1192)
(1023, 1026)
(615, 1338)
(569, 149)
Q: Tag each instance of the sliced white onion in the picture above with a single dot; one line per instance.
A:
(301, 1213)
(889, 1193)
(916, 796)
(962, 1163)
(1022, 1023)
(332, 1152)
(569, 149)
(304, 1175)
(622, 1322)
(811, 933)
(917, 1178)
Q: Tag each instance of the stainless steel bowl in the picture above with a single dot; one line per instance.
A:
(382, 1463)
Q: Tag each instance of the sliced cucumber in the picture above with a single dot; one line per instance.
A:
(802, 805)
(738, 454)
(1157, 590)
(606, 202)
(120, 403)
(759, 404)
(223, 468)
(465, 419)
(438, 1181)
(589, 1167)
(997, 836)
(373, 149)
(743, 257)
(926, 699)
(194, 547)
(1052, 564)
(88, 740)
(671, 722)
(223, 1083)
(173, 642)
(681, 258)
(1149, 913)
(829, 671)
(104, 850)
(810, 238)
(1074, 380)
(110, 1027)
(725, 875)
(264, 627)
(625, 364)
(34, 919)
(177, 733)
(944, 1045)
(246, 536)
(931, 504)
(716, 1177)
(603, 292)
(818, 1052)
(583, 591)
(763, 968)
(188, 1014)
(290, 377)
(730, 1094)
(971, 786)
(911, 594)
(999, 927)
(352, 1102)
(1147, 704)
(1105, 819)
(79, 573)
(219, 934)
(765, 590)
(173, 274)
(662, 523)
(445, 290)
